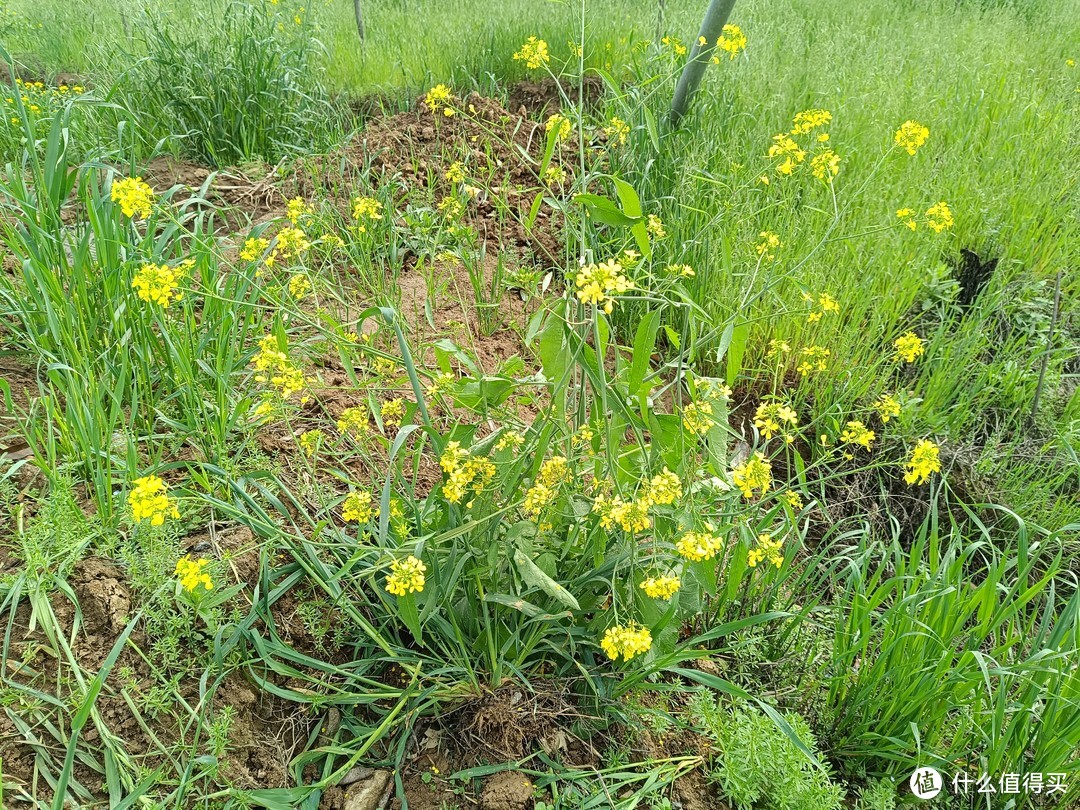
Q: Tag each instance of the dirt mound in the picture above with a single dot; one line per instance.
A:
(241, 194)
(544, 97)
(499, 150)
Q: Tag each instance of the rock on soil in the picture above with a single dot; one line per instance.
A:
(507, 791)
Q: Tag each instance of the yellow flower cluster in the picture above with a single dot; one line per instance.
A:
(939, 217)
(464, 472)
(553, 472)
(534, 53)
(907, 217)
(310, 441)
(617, 131)
(192, 573)
(253, 248)
(825, 165)
(406, 576)
(299, 286)
(858, 433)
(807, 121)
(663, 587)
(772, 417)
(510, 440)
(925, 461)
(274, 366)
(793, 498)
(825, 303)
(598, 283)
(769, 244)
(911, 136)
(353, 420)
(675, 44)
(655, 227)
(732, 41)
(561, 123)
(628, 641)
(291, 243)
(364, 211)
(698, 546)
(296, 209)
(767, 549)
(159, 283)
(753, 474)
(697, 417)
(36, 97)
(136, 198)
(814, 358)
(784, 147)
(149, 500)
(909, 346)
(455, 172)
(664, 489)
(887, 407)
(392, 412)
(359, 507)
(438, 99)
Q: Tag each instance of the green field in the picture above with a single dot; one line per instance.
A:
(427, 421)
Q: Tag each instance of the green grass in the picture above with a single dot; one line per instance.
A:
(892, 625)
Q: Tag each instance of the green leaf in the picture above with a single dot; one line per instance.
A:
(605, 211)
(736, 350)
(535, 578)
(409, 615)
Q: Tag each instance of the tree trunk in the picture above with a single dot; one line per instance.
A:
(711, 27)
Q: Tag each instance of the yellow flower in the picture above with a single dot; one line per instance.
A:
(291, 243)
(554, 471)
(858, 433)
(149, 500)
(698, 546)
(560, 122)
(464, 472)
(295, 209)
(310, 441)
(406, 576)
(777, 347)
(753, 474)
(825, 165)
(555, 175)
(617, 131)
(664, 489)
(783, 146)
(254, 248)
(697, 417)
(680, 270)
(732, 40)
(353, 420)
(655, 226)
(455, 172)
(392, 411)
(135, 197)
(510, 440)
(675, 44)
(887, 407)
(627, 641)
(767, 549)
(365, 210)
(663, 587)
(771, 417)
(439, 98)
(925, 461)
(160, 283)
(794, 500)
(534, 53)
(192, 574)
(275, 367)
(907, 216)
(826, 303)
(909, 346)
(939, 217)
(631, 516)
(299, 286)
(359, 507)
(769, 244)
(597, 283)
(807, 121)
(814, 358)
(911, 136)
